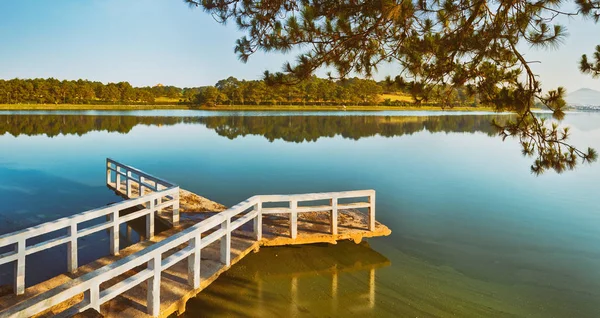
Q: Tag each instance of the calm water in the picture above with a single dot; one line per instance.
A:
(474, 234)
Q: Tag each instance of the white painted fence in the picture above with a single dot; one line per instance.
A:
(144, 182)
(186, 244)
(167, 196)
(334, 206)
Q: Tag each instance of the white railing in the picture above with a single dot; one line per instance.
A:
(334, 206)
(144, 181)
(152, 202)
(188, 244)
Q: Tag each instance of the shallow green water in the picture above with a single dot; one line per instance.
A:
(474, 233)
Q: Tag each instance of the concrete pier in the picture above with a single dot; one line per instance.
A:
(157, 276)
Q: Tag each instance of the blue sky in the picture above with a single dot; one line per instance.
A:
(147, 42)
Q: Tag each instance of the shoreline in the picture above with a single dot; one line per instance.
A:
(53, 107)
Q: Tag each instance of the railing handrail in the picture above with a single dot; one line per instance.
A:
(51, 226)
(316, 196)
(44, 228)
(72, 288)
(92, 280)
(70, 223)
(140, 172)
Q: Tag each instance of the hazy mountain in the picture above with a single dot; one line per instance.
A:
(584, 97)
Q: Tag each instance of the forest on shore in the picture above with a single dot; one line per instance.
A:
(229, 91)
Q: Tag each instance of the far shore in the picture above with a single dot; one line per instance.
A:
(237, 107)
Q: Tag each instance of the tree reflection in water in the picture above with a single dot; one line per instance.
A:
(288, 128)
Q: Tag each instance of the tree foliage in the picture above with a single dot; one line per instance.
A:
(53, 91)
(470, 44)
(311, 91)
(210, 96)
(591, 67)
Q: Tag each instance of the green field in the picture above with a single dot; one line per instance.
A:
(397, 97)
(166, 100)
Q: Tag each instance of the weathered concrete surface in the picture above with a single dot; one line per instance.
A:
(189, 202)
(313, 227)
(192, 203)
(90, 313)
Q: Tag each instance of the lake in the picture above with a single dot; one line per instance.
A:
(474, 233)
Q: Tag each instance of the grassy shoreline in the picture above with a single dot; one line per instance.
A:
(234, 107)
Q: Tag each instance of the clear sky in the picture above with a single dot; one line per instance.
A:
(147, 42)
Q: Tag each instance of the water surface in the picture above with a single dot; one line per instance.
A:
(474, 233)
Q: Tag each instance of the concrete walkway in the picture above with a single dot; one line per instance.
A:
(313, 227)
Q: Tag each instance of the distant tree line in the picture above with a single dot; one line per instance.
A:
(229, 91)
(318, 91)
(313, 91)
(53, 91)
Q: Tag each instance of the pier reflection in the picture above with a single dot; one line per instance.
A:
(313, 280)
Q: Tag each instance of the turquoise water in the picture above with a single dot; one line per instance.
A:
(474, 232)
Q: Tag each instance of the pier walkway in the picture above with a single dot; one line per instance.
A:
(157, 276)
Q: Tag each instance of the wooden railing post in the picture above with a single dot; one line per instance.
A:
(72, 248)
(153, 296)
(114, 233)
(92, 297)
(194, 263)
(334, 216)
(257, 222)
(108, 173)
(19, 282)
(159, 201)
(175, 219)
(141, 189)
(128, 185)
(226, 242)
(118, 178)
(372, 211)
(294, 219)
(150, 219)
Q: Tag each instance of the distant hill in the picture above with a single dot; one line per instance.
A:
(583, 98)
